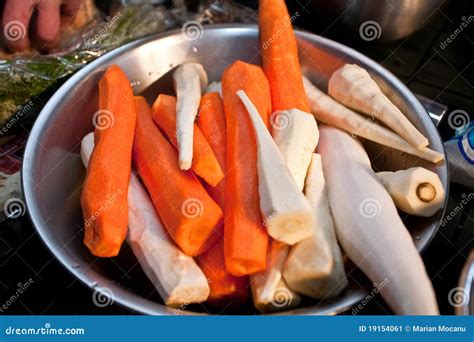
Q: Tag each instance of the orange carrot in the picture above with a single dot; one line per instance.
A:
(204, 163)
(245, 238)
(280, 57)
(189, 214)
(211, 122)
(104, 195)
(225, 288)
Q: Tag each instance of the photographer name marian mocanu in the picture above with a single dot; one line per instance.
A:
(438, 328)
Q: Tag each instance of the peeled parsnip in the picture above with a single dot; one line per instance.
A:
(296, 135)
(315, 266)
(283, 299)
(368, 226)
(214, 87)
(265, 284)
(176, 276)
(331, 112)
(190, 81)
(416, 191)
(287, 213)
(352, 86)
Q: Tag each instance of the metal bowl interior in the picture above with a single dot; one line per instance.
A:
(53, 174)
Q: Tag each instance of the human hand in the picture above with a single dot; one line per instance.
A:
(19, 24)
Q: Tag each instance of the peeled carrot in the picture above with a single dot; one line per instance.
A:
(204, 162)
(105, 192)
(280, 57)
(225, 288)
(245, 238)
(211, 122)
(189, 214)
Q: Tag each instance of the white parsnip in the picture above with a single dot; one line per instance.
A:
(352, 86)
(176, 276)
(416, 191)
(287, 213)
(315, 266)
(296, 137)
(190, 81)
(327, 110)
(283, 299)
(369, 228)
(264, 284)
(214, 87)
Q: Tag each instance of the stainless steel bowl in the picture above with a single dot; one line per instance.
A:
(386, 20)
(52, 171)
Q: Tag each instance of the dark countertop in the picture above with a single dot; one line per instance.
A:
(444, 75)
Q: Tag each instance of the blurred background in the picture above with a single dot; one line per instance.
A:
(428, 45)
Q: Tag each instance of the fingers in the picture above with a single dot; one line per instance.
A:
(70, 7)
(48, 23)
(15, 23)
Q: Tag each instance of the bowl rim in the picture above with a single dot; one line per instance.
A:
(128, 299)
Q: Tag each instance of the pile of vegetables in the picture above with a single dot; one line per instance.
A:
(233, 203)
